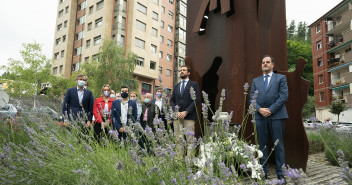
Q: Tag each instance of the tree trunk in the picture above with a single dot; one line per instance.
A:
(338, 119)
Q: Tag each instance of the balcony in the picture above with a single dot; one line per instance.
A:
(341, 41)
(348, 77)
(339, 18)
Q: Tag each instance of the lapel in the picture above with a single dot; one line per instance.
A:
(261, 83)
(75, 94)
(186, 88)
(273, 78)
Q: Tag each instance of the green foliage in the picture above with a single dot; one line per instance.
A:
(291, 30)
(316, 145)
(113, 67)
(27, 74)
(59, 85)
(337, 107)
(309, 107)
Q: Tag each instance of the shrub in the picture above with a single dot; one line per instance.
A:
(315, 143)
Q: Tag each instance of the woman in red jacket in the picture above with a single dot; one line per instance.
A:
(101, 111)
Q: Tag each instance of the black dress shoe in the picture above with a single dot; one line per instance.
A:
(266, 176)
(282, 178)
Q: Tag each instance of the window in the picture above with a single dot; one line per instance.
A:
(140, 25)
(77, 66)
(182, 21)
(156, 2)
(181, 34)
(61, 68)
(183, 8)
(171, 15)
(168, 57)
(146, 88)
(168, 72)
(82, 20)
(320, 62)
(89, 26)
(55, 70)
(181, 48)
(152, 65)
(98, 22)
(169, 28)
(100, 5)
(154, 32)
(321, 79)
(80, 35)
(59, 27)
(160, 70)
(124, 5)
(321, 96)
(62, 53)
(153, 48)
(65, 24)
(181, 62)
(162, 9)
(86, 59)
(88, 43)
(61, 13)
(83, 5)
(319, 45)
(155, 16)
(171, 1)
(317, 28)
(61, 1)
(56, 56)
(66, 9)
(122, 39)
(58, 41)
(162, 24)
(78, 50)
(161, 54)
(139, 43)
(169, 42)
(161, 39)
(97, 40)
(91, 9)
(64, 38)
(123, 24)
(95, 57)
(141, 8)
(140, 61)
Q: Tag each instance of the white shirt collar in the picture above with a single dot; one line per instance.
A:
(270, 74)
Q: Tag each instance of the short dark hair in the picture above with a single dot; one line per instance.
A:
(272, 59)
(81, 75)
(159, 88)
(124, 87)
(188, 68)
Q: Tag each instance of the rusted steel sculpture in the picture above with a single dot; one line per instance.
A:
(226, 40)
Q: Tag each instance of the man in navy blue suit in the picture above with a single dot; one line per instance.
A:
(123, 110)
(271, 113)
(78, 101)
(187, 115)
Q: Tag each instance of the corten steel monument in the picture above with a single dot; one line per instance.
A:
(226, 40)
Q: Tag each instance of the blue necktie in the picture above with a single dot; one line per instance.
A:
(182, 87)
(266, 82)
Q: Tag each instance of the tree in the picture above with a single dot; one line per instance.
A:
(301, 31)
(336, 108)
(309, 107)
(27, 74)
(291, 30)
(113, 67)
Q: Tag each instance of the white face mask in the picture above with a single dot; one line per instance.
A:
(134, 98)
(81, 83)
(107, 93)
(112, 96)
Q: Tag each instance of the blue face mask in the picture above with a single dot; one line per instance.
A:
(146, 100)
(159, 94)
(81, 83)
(112, 96)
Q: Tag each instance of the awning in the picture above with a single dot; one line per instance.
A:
(341, 87)
(341, 46)
(339, 67)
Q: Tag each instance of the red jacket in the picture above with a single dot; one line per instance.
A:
(99, 106)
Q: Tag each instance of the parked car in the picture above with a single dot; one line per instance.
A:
(47, 112)
(344, 127)
(311, 124)
(8, 110)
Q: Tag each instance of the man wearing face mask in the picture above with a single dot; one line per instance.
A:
(78, 102)
(149, 111)
(112, 95)
(186, 114)
(122, 111)
(162, 104)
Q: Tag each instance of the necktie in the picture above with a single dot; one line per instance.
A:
(182, 87)
(266, 82)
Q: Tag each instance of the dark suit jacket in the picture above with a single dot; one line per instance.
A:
(185, 102)
(71, 103)
(115, 113)
(164, 105)
(152, 111)
(274, 99)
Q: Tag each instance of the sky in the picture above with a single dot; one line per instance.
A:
(24, 21)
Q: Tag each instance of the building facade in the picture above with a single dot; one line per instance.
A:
(332, 61)
(154, 30)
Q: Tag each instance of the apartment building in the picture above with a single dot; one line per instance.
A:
(332, 60)
(147, 28)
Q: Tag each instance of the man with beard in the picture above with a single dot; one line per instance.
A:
(122, 111)
(270, 113)
(186, 113)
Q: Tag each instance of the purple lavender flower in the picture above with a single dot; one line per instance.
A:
(162, 182)
(173, 181)
(2, 155)
(119, 165)
(177, 108)
(246, 86)
(206, 98)
(193, 94)
(243, 166)
(205, 111)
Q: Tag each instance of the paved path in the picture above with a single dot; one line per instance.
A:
(319, 171)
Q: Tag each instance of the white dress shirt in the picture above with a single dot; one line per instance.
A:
(124, 112)
(80, 95)
(159, 103)
(269, 77)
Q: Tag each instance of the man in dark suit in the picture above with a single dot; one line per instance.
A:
(186, 114)
(162, 104)
(122, 111)
(78, 101)
(270, 113)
